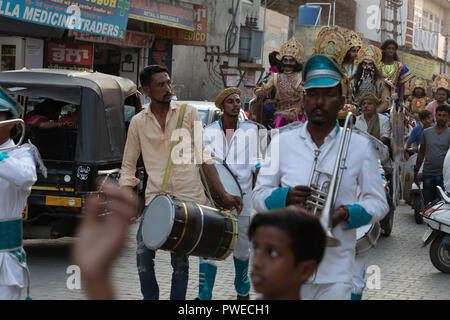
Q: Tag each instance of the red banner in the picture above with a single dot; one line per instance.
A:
(66, 55)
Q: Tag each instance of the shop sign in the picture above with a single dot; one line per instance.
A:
(179, 16)
(72, 56)
(417, 65)
(161, 53)
(425, 41)
(132, 39)
(108, 18)
(184, 37)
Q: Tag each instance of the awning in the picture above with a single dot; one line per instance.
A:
(179, 16)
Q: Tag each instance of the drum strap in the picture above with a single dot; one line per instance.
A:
(208, 191)
(174, 143)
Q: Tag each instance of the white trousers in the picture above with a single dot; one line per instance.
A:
(242, 246)
(10, 292)
(326, 291)
(359, 272)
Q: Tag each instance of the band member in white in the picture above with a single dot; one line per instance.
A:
(17, 175)
(284, 178)
(235, 143)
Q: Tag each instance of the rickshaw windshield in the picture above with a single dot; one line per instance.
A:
(98, 101)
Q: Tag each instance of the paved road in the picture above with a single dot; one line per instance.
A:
(405, 268)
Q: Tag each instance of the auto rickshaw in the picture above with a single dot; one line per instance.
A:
(75, 156)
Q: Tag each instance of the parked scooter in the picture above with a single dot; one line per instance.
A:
(438, 219)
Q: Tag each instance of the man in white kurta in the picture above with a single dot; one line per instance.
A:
(17, 175)
(285, 176)
(238, 147)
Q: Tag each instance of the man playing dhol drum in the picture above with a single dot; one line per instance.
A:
(150, 133)
(293, 154)
(235, 143)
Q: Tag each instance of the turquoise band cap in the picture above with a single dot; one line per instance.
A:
(321, 72)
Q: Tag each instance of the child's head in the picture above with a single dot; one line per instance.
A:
(288, 246)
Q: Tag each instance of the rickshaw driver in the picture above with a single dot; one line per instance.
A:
(150, 133)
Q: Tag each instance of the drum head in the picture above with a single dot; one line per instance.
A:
(228, 180)
(361, 231)
(158, 222)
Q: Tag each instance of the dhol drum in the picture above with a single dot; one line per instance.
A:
(229, 182)
(188, 228)
(367, 237)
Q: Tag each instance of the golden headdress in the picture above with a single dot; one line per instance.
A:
(292, 48)
(352, 39)
(441, 81)
(224, 94)
(370, 53)
(418, 82)
(330, 42)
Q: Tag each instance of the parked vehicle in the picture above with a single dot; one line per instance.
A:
(438, 234)
(413, 192)
(102, 106)
(208, 111)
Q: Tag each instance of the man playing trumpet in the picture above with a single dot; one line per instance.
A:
(286, 180)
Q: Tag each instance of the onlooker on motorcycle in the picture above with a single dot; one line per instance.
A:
(434, 146)
(426, 121)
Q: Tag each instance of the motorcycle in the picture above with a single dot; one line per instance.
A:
(438, 219)
(413, 192)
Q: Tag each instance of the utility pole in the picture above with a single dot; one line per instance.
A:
(393, 6)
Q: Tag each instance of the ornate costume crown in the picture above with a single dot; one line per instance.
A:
(352, 39)
(292, 48)
(331, 42)
(370, 53)
(441, 81)
(418, 82)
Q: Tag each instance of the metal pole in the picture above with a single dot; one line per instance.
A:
(334, 13)
(264, 34)
(446, 55)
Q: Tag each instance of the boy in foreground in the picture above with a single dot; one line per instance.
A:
(288, 245)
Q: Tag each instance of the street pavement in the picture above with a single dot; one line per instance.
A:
(405, 269)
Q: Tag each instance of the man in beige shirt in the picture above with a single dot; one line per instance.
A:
(150, 133)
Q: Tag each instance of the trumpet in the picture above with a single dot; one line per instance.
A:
(14, 121)
(323, 195)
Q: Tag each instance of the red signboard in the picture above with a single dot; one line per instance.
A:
(184, 37)
(73, 56)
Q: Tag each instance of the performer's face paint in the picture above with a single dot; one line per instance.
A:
(160, 88)
(232, 106)
(353, 53)
(274, 271)
(390, 51)
(368, 67)
(322, 105)
(288, 63)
